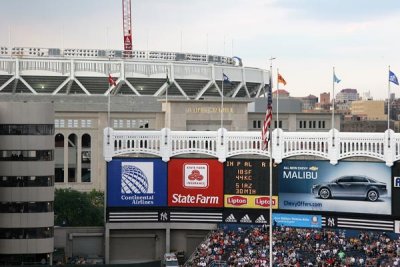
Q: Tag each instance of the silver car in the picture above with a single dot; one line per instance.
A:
(351, 186)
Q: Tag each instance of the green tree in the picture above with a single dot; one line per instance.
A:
(73, 208)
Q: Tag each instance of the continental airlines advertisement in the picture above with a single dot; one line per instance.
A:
(356, 187)
(195, 183)
(136, 183)
(246, 184)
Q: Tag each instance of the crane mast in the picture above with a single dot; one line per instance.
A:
(126, 13)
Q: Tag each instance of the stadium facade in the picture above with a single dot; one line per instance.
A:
(168, 129)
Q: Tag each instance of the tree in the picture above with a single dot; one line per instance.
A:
(73, 208)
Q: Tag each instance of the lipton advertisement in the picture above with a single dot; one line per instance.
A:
(195, 183)
(246, 184)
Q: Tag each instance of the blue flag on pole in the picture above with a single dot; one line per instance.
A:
(336, 79)
(393, 78)
(226, 78)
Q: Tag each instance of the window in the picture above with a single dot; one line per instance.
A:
(115, 123)
(59, 175)
(319, 124)
(86, 175)
(59, 140)
(314, 124)
(309, 124)
(26, 155)
(254, 124)
(26, 207)
(26, 181)
(323, 124)
(71, 175)
(86, 141)
(86, 123)
(26, 233)
(26, 129)
(301, 124)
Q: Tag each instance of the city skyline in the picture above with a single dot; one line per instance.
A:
(308, 38)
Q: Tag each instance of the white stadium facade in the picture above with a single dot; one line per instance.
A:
(166, 112)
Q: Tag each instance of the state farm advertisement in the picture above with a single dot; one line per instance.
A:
(195, 183)
(246, 184)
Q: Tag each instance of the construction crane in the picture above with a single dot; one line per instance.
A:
(126, 13)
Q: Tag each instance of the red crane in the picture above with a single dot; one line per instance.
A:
(126, 13)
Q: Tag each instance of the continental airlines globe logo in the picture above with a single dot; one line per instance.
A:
(137, 178)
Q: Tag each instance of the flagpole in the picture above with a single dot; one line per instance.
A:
(277, 98)
(166, 104)
(388, 105)
(333, 99)
(108, 116)
(222, 101)
(270, 174)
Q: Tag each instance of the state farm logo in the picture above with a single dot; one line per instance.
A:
(264, 201)
(195, 175)
(236, 201)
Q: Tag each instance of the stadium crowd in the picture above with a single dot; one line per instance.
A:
(296, 247)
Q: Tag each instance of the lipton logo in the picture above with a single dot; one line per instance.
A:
(236, 201)
(195, 175)
(264, 201)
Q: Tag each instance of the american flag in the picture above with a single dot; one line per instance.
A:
(111, 80)
(268, 118)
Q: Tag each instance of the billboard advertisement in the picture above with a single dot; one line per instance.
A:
(136, 183)
(246, 216)
(297, 220)
(246, 184)
(396, 189)
(195, 183)
(357, 187)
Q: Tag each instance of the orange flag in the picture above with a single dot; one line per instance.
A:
(281, 80)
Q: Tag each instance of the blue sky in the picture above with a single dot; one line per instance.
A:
(360, 38)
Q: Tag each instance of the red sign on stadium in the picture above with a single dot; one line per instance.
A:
(195, 183)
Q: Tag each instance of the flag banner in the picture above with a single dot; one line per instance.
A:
(168, 80)
(111, 80)
(268, 119)
(335, 78)
(226, 78)
(281, 79)
(393, 78)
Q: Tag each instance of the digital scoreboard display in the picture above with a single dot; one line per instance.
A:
(246, 184)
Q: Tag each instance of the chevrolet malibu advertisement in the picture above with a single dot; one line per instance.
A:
(195, 183)
(357, 187)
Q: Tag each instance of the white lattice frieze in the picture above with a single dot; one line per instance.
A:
(222, 144)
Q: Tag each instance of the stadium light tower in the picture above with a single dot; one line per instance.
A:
(127, 24)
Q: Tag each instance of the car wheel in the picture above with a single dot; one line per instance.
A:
(372, 195)
(324, 193)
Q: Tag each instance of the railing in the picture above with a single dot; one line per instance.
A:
(35, 52)
(222, 144)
